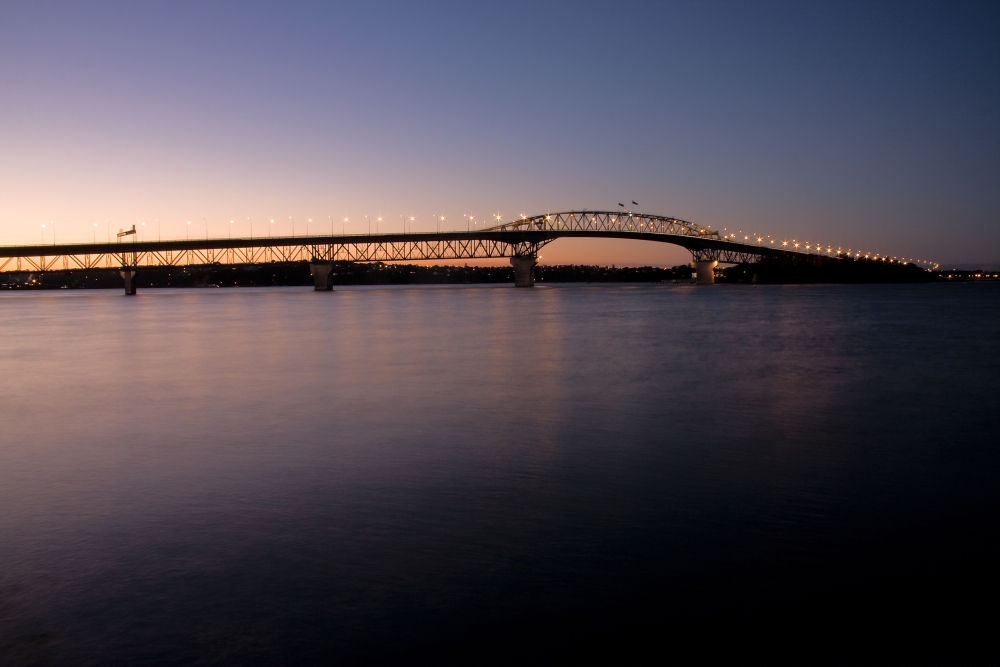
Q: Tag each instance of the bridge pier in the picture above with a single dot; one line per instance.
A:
(128, 275)
(524, 270)
(321, 273)
(705, 272)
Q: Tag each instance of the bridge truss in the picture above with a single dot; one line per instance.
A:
(521, 238)
(135, 255)
(609, 222)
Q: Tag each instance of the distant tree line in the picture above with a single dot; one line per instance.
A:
(379, 273)
(344, 273)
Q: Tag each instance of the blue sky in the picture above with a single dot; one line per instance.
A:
(869, 125)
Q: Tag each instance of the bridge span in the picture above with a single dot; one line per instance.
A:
(519, 240)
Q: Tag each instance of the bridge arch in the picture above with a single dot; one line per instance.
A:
(519, 240)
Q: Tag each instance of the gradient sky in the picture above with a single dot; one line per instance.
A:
(867, 125)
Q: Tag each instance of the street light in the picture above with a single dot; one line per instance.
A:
(376, 225)
(95, 232)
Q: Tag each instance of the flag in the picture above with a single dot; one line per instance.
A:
(621, 204)
(634, 202)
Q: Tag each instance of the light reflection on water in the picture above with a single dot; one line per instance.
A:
(489, 474)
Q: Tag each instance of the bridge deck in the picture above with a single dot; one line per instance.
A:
(521, 238)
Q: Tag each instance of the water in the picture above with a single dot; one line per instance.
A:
(489, 475)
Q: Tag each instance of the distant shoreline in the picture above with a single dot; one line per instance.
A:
(289, 274)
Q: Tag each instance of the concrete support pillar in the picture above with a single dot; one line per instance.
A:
(705, 272)
(128, 275)
(321, 275)
(524, 270)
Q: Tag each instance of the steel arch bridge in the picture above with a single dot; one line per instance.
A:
(519, 240)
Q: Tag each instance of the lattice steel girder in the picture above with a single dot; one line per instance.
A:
(381, 251)
(609, 221)
(389, 251)
(519, 238)
(725, 256)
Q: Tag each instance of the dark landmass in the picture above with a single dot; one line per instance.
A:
(847, 271)
(961, 275)
(346, 273)
(378, 273)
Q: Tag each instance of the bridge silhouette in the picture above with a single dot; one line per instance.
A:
(519, 240)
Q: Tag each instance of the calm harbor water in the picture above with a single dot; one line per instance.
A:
(490, 475)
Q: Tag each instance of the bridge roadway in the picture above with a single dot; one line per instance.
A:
(519, 240)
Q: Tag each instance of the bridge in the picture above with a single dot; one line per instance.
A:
(519, 240)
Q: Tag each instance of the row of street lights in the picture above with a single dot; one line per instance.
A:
(407, 224)
(471, 222)
(817, 248)
(94, 228)
(439, 221)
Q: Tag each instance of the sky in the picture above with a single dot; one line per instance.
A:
(868, 125)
